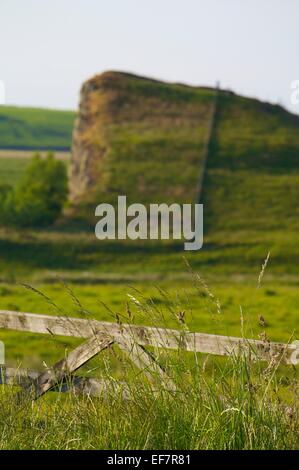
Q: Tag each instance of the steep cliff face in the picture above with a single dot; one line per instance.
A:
(138, 137)
(145, 139)
(89, 143)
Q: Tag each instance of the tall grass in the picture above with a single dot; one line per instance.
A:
(227, 403)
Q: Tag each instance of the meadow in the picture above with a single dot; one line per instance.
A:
(234, 406)
(250, 210)
(218, 403)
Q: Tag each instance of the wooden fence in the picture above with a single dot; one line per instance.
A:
(132, 340)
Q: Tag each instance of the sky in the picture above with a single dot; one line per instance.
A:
(49, 47)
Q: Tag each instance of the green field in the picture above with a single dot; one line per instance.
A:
(34, 128)
(13, 167)
(277, 304)
(11, 170)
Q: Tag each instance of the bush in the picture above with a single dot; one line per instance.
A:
(7, 215)
(39, 197)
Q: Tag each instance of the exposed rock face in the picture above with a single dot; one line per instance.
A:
(125, 123)
(146, 139)
(89, 143)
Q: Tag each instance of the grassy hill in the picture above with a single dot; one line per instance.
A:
(33, 128)
(145, 139)
(139, 137)
(251, 188)
(253, 168)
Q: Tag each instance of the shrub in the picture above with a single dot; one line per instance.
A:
(39, 197)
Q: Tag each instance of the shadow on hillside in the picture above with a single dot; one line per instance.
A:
(78, 254)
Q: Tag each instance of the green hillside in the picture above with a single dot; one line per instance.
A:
(33, 128)
(139, 137)
(251, 187)
(253, 167)
(145, 139)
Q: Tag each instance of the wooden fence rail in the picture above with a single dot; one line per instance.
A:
(132, 339)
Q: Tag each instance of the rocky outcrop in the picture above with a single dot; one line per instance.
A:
(123, 116)
(89, 144)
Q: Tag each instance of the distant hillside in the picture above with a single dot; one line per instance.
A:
(252, 177)
(139, 137)
(33, 128)
(146, 139)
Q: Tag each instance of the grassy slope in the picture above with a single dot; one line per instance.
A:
(11, 170)
(151, 136)
(158, 159)
(251, 188)
(251, 194)
(35, 128)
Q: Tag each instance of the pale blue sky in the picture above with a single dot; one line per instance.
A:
(49, 47)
